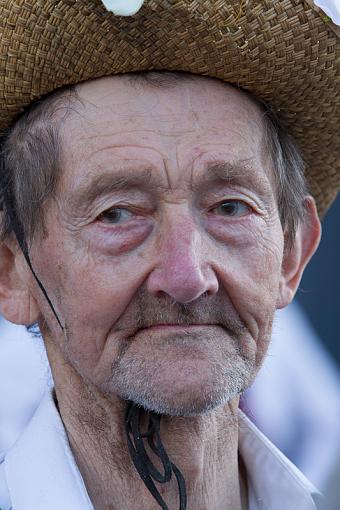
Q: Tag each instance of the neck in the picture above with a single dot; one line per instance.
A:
(204, 448)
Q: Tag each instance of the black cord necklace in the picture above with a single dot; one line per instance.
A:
(146, 470)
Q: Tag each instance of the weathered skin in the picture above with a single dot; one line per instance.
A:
(174, 255)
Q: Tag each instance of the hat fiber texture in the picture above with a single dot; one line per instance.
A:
(284, 51)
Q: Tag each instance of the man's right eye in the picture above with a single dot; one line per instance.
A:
(115, 215)
(233, 208)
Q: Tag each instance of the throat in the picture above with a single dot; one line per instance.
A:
(189, 462)
(148, 472)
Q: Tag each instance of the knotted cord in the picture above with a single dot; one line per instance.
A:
(146, 469)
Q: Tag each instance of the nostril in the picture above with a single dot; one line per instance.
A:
(182, 286)
(160, 294)
(207, 293)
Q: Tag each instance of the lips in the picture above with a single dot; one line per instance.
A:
(130, 333)
(175, 327)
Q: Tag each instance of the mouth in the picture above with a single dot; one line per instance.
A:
(176, 327)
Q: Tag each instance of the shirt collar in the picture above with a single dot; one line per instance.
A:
(274, 483)
(41, 472)
(40, 469)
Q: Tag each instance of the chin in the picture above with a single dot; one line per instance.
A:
(181, 377)
(182, 397)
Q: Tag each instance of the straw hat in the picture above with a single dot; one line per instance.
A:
(285, 51)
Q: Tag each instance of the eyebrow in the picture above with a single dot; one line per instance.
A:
(225, 171)
(107, 183)
(241, 172)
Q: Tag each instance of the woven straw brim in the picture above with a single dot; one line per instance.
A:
(283, 51)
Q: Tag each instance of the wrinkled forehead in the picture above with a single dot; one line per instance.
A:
(177, 116)
(171, 105)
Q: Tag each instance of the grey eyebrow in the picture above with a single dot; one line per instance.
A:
(238, 173)
(104, 184)
(226, 171)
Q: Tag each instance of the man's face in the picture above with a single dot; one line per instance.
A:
(164, 246)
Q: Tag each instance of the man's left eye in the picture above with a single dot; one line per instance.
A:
(115, 215)
(232, 208)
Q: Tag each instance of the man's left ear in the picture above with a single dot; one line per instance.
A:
(295, 259)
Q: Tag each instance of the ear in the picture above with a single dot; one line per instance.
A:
(295, 260)
(16, 302)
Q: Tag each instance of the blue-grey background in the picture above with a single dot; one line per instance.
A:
(319, 291)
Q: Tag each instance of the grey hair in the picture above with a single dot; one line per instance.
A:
(30, 154)
(289, 171)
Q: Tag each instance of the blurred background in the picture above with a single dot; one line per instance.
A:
(295, 399)
(319, 292)
(319, 296)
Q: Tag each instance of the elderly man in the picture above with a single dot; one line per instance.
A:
(152, 223)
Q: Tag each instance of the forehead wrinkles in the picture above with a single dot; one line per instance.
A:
(196, 112)
(190, 99)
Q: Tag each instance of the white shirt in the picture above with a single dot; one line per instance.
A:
(39, 472)
(24, 376)
(288, 403)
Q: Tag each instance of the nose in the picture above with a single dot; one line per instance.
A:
(184, 273)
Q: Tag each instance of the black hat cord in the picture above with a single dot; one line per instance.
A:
(146, 470)
(20, 236)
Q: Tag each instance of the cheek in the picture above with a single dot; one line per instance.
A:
(251, 278)
(103, 271)
(96, 290)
